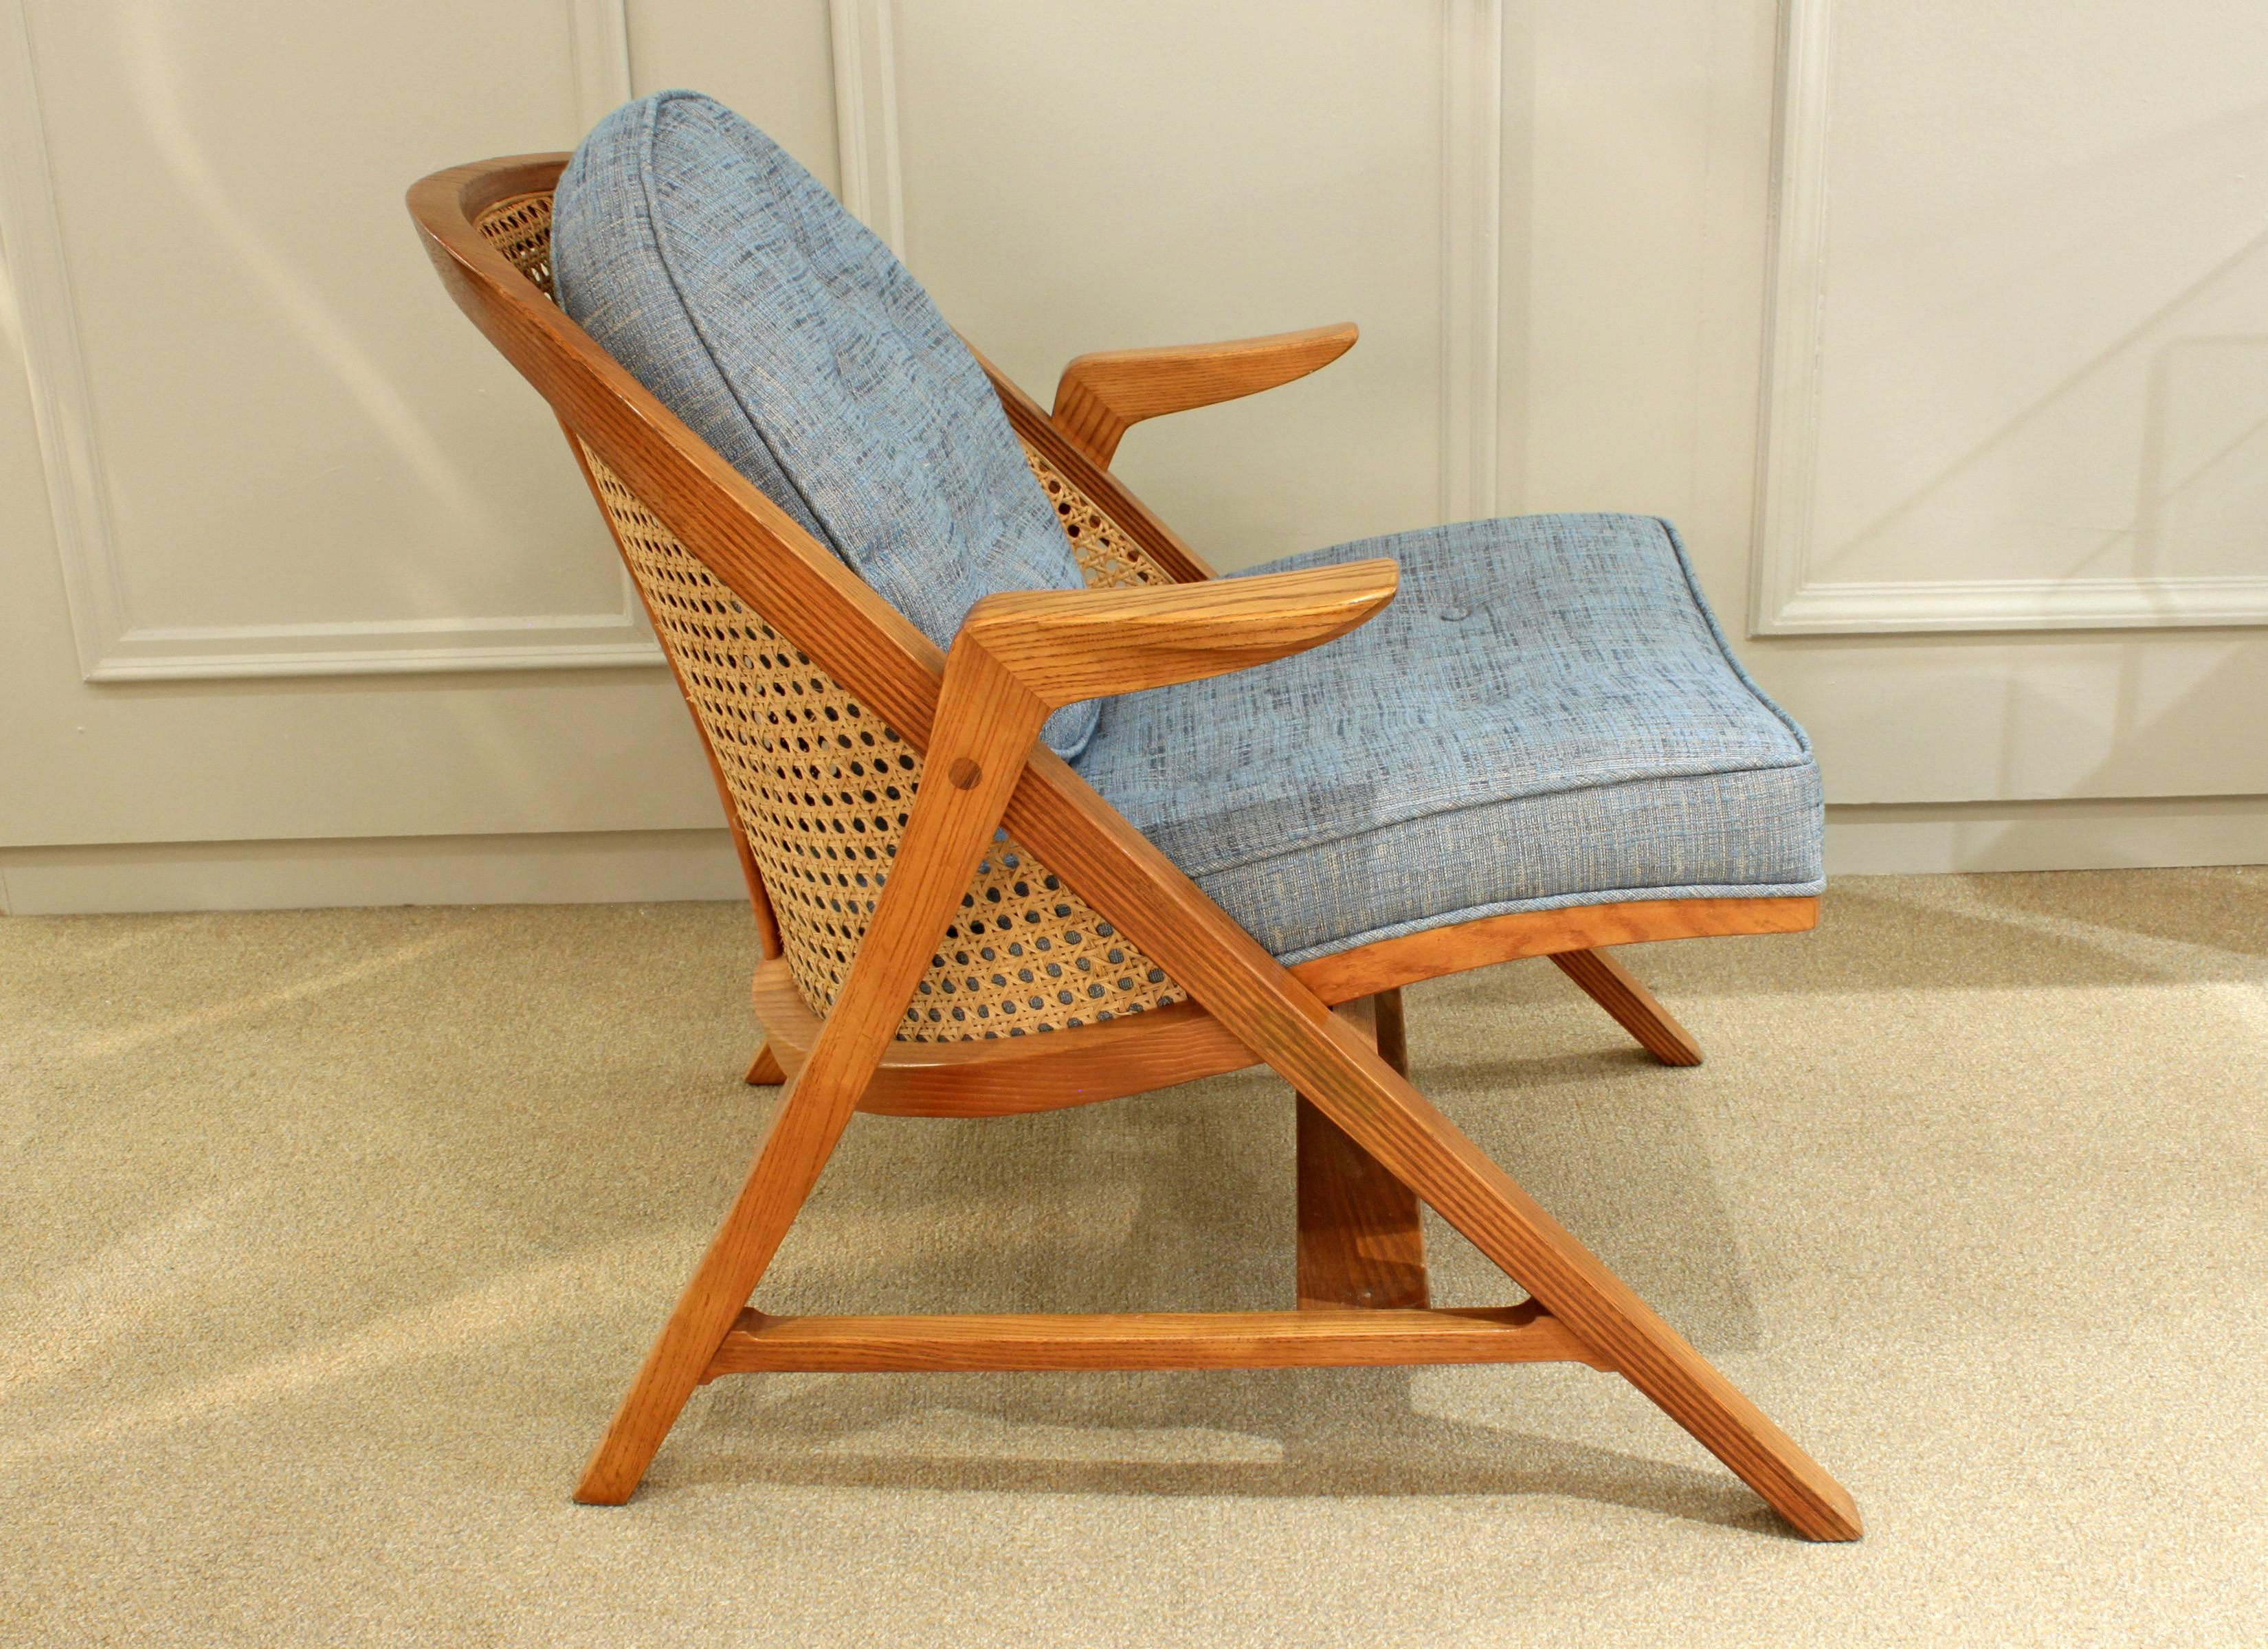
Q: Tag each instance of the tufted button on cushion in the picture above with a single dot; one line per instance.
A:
(1547, 715)
(737, 290)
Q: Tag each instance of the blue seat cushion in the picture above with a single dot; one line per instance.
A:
(1546, 715)
(736, 288)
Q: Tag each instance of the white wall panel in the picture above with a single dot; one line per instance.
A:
(772, 60)
(2021, 347)
(256, 466)
(280, 452)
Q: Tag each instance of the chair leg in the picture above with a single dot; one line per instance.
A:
(1339, 1070)
(1361, 1242)
(765, 1073)
(1335, 1064)
(1608, 983)
(802, 1137)
(951, 826)
(1335, 1067)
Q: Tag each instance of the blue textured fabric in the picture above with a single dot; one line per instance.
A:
(736, 289)
(1546, 715)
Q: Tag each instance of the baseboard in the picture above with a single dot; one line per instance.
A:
(635, 866)
(598, 867)
(2109, 833)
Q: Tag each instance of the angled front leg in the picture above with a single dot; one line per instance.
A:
(1069, 646)
(1017, 658)
(1608, 983)
(1121, 873)
(984, 726)
(1397, 1124)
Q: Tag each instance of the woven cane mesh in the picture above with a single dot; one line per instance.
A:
(1107, 557)
(823, 788)
(521, 228)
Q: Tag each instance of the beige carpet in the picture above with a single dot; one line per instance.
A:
(330, 1238)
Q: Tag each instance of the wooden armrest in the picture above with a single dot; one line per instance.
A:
(1053, 647)
(1100, 396)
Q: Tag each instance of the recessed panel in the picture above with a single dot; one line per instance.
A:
(295, 428)
(2033, 330)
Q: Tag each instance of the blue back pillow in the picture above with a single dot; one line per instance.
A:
(726, 280)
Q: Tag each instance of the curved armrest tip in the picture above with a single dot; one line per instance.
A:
(1063, 645)
(1100, 396)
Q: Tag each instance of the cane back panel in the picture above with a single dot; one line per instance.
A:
(822, 788)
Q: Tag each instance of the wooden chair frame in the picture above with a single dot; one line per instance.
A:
(1370, 1145)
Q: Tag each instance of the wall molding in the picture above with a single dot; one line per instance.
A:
(1472, 260)
(2070, 833)
(550, 867)
(1787, 456)
(599, 41)
(1786, 596)
(112, 646)
(1991, 604)
(641, 866)
(866, 150)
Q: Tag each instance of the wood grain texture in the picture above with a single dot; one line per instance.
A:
(1100, 396)
(1011, 664)
(1237, 1339)
(1065, 645)
(986, 720)
(1389, 1029)
(1389, 964)
(1361, 1242)
(810, 597)
(765, 1069)
(1121, 873)
(1608, 983)
(1009, 1075)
